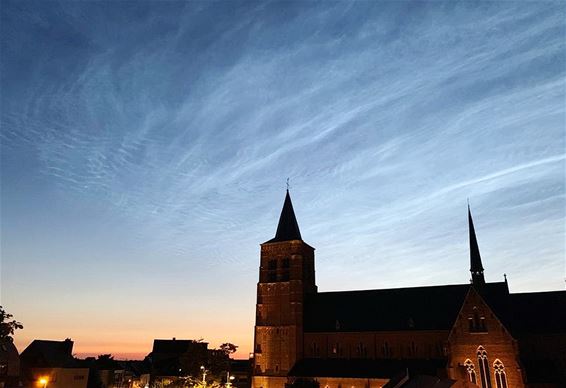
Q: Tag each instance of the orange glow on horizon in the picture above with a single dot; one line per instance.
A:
(131, 349)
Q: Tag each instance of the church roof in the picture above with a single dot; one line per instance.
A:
(532, 312)
(398, 309)
(288, 228)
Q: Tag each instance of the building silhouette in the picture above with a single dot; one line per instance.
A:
(476, 334)
(53, 363)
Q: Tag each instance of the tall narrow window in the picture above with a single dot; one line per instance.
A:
(285, 266)
(484, 368)
(499, 374)
(272, 270)
(386, 350)
(471, 370)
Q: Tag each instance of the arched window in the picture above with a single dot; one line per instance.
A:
(484, 368)
(499, 374)
(471, 370)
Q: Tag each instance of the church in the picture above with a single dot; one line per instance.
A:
(462, 335)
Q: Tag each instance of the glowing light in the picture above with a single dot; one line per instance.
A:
(43, 381)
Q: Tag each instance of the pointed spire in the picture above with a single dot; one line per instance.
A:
(288, 228)
(476, 267)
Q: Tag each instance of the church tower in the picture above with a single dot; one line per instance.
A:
(476, 267)
(286, 275)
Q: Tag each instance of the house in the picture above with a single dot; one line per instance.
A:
(51, 363)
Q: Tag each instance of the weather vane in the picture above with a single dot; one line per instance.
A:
(287, 184)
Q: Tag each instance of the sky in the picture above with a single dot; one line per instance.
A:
(145, 148)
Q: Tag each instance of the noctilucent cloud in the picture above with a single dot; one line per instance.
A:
(145, 149)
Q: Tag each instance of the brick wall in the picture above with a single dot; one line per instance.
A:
(376, 345)
(477, 326)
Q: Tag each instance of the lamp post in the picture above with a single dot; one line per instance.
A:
(229, 380)
(203, 369)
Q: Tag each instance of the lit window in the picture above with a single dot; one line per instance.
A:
(499, 374)
(484, 368)
(471, 370)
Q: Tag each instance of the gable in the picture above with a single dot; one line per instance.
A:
(477, 321)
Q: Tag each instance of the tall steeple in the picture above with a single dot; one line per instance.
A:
(286, 277)
(288, 228)
(476, 267)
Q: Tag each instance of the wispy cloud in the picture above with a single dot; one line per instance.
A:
(169, 131)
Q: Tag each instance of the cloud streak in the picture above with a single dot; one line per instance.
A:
(164, 134)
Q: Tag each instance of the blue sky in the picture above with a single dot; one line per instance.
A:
(145, 148)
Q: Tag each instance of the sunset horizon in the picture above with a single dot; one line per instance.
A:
(149, 152)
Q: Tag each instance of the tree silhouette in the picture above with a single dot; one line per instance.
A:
(8, 325)
(228, 348)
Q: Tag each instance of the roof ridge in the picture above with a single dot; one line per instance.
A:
(395, 289)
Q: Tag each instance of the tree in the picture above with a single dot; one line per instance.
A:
(8, 325)
(227, 348)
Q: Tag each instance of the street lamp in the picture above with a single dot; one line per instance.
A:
(204, 371)
(43, 381)
(229, 380)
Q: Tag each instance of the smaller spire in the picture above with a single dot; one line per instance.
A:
(288, 227)
(476, 267)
